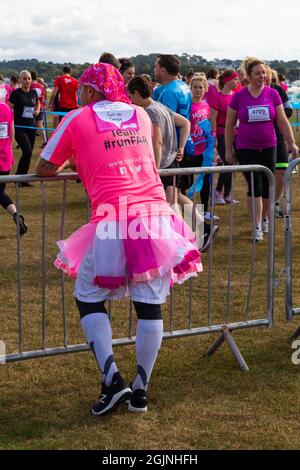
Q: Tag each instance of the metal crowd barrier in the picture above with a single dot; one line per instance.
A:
(224, 327)
(291, 310)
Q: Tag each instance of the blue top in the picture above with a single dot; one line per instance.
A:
(177, 96)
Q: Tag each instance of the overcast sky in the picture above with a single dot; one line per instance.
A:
(79, 30)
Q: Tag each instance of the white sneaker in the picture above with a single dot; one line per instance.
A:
(265, 225)
(259, 236)
(208, 216)
(279, 211)
(229, 200)
(219, 199)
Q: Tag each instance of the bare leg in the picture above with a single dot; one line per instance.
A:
(265, 210)
(279, 183)
(258, 209)
(40, 125)
(11, 209)
(172, 198)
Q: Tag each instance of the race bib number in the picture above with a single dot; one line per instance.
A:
(111, 116)
(28, 112)
(258, 113)
(3, 130)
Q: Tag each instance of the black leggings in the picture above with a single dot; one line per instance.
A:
(5, 200)
(143, 311)
(195, 161)
(25, 139)
(224, 180)
(265, 157)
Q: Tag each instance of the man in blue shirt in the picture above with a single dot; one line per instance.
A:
(172, 92)
(176, 95)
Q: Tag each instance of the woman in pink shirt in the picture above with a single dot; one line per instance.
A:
(228, 82)
(5, 90)
(200, 111)
(6, 162)
(133, 244)
(257, 107)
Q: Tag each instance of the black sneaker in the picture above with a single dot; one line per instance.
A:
(112, 396)
(23, 227)
(209, 236)
(279, 211)
(138, 402)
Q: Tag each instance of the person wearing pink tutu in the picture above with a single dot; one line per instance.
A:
(135, 244)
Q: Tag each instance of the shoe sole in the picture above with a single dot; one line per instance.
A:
(133, 409)
(211, 238)
(115, 402)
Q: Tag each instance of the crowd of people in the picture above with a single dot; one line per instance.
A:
(117, 134)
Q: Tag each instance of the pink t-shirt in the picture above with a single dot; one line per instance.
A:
(199, 112)
(211, 93)
(256, 118)
(220, 103)
(6, 154)
(115, 163)
(5, 91)
(41, 92)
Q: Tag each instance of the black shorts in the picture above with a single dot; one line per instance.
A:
(40, 116)
(265, 157)
(189, 161)
(282, 159)
(168, 180)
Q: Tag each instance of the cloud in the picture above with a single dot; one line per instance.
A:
(79, 31)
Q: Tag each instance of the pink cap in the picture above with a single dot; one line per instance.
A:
(106, 79)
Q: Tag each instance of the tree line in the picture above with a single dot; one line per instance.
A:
(143, 64)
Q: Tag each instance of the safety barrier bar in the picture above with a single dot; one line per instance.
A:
(291, 311)
(225, 328)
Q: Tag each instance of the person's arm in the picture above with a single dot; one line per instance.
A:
(286, 130)
(213, 119)
(57, 154)
(157, 144)
(45, 168)
(52, 98)
(231, 120)
(37, 108)
(12, 132)
(184, 126)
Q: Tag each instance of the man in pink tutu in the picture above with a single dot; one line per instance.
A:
(135, 244)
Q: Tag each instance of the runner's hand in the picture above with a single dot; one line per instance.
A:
(294, 149)
(179, 155)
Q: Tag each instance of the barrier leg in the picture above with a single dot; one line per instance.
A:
(226, 335)
(296, 334)
(219, 341)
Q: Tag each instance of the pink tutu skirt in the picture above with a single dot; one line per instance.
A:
(135, 251)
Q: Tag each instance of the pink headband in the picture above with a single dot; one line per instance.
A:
(231, 77)
(106, 79)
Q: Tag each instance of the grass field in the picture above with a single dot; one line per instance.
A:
(194, 402)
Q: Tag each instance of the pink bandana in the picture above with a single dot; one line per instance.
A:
(106, 79)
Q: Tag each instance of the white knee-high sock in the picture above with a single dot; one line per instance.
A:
(149, 334)
(97, 330)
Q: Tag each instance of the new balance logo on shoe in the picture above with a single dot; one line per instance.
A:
(112, 396)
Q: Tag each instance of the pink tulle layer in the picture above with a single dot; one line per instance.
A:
(166, 244)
